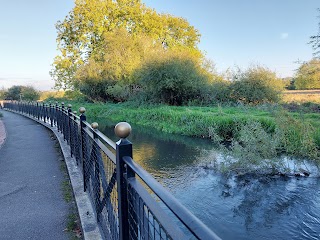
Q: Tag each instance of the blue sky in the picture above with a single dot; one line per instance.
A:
(272, 33)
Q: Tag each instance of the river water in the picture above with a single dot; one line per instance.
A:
(245, 207)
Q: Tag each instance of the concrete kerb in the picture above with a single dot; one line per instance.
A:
(3, 134)
(90, 228)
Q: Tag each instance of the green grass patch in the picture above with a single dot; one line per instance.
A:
(298, 133)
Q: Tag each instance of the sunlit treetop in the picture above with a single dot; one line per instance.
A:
(82, 30)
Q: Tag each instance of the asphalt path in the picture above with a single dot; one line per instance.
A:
(31, 200)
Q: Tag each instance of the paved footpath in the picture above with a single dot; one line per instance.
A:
(31, 200)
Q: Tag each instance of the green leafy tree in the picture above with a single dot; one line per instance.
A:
(21, 93)
(114, 64)
(83, 34)
(256, 85)
(308, 75)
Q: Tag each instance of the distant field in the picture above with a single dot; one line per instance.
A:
(301, 96)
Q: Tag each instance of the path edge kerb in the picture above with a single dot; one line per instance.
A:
(3, 128)
(89, 225)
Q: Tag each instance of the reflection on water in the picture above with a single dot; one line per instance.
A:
(246, 207)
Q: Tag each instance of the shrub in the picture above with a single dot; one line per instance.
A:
(255, 86)
(74, 95)
(118, 92)
(22, 93)
(219, 92)
(255, 147)
(174, 79)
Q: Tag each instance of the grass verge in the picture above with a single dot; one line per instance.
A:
(73, 220)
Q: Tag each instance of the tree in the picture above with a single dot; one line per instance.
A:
(315, 40)
(256, 85)
(21, 93)
(82, 34)
(115, 64)
(308, 75)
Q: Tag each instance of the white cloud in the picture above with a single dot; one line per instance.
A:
(284, 35)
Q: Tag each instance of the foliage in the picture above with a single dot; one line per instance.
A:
(308, 75)
(113, 66)
(256, 85)
(217, 92)
(174, 78)
(254, 147)
(252, 132)
(62, 96)
(22, 93)
(84, 33)
(297, 137)
(44, 95)
(2, 93)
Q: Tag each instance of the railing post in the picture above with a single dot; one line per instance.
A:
(69, 125)
(62, 119)
(123, 148)
(44, 112)
(50, 114)
(95, 178)
(83, 118)
(75, 127)
(56, 112)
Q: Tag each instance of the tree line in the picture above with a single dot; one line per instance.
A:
(120, 50)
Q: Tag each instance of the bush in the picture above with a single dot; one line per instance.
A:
(255, 147)
(174, 79)
(118, 92)
(255, 86)
(21, 93)
(74, 95)
(95, 89)
(218, 92)
(308, 75)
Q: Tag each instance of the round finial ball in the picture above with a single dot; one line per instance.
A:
(69, 105)
(62, 103)
(122, 129)
(82, 110)
(94, 125)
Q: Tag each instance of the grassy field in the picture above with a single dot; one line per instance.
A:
(301, 96)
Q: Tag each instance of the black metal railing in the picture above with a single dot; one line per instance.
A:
(128, 202)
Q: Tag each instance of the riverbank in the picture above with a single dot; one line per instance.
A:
(292, 133)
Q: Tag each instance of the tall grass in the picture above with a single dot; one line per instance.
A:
(255, 132)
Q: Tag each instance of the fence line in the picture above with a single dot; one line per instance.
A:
(128, 202)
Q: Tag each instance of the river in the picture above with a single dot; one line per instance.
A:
(256, 207)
